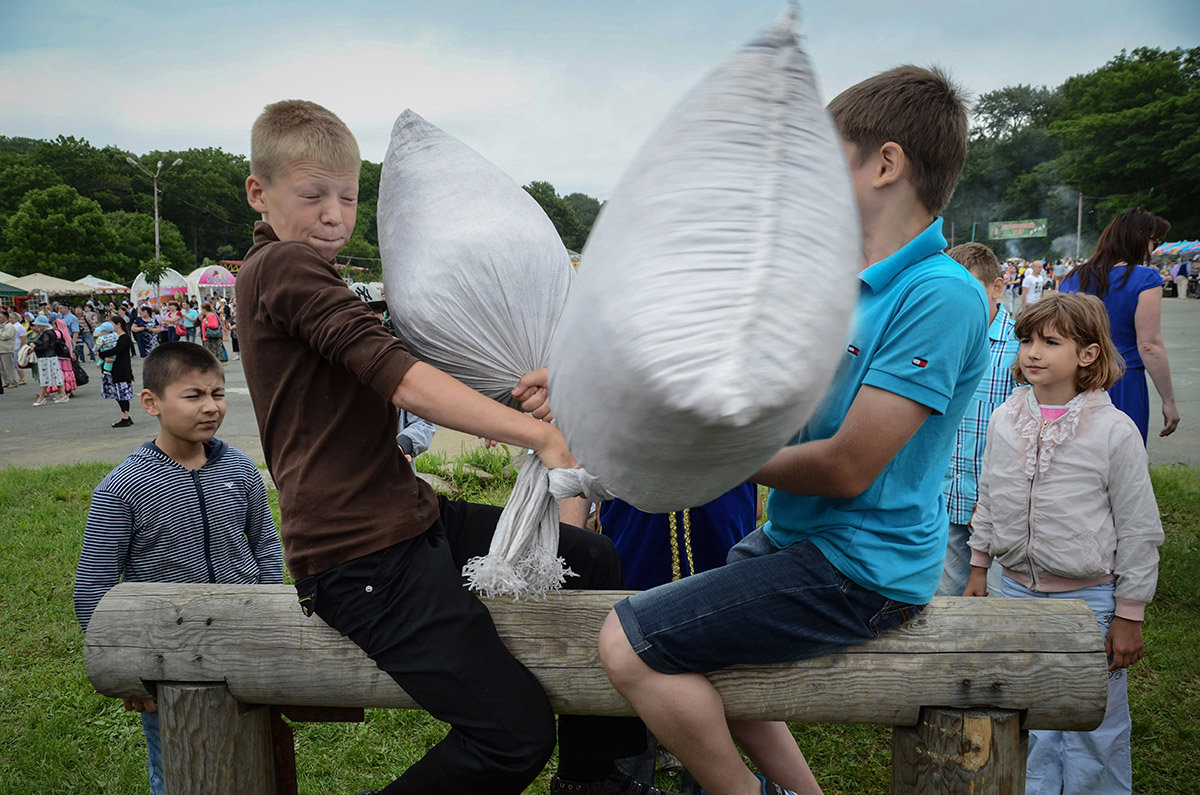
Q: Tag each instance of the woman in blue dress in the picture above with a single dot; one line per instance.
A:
(1132, 293)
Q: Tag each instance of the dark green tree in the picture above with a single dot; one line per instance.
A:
(586, 208)
(99, 174)
(1009, 172)
(1130, 134)
(205, 196)
(20, 177)
(368, 202)
(135, 244)
(60, 233)
(561, 214)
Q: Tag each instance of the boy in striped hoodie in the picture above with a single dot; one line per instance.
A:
(184, 507)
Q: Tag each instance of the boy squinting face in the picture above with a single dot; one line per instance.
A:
(191, 408)
(309, 203)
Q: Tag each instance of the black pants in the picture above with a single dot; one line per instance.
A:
(407, 608)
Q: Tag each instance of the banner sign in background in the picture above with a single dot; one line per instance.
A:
(1006, 230)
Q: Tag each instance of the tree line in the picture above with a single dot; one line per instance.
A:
(1125, 134)
(69, 209)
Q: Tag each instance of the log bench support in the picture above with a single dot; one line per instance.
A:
(961, 684)
(960, 750)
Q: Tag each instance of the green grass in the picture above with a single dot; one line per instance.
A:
(58, 736)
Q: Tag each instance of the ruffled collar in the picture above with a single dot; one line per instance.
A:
(1029, 422)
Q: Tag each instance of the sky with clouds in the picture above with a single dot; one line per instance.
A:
(546, 89)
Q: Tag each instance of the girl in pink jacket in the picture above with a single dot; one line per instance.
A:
(1066, 506)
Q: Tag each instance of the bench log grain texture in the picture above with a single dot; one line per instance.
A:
(961, 682)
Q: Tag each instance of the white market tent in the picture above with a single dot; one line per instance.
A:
(172, 283)
(99, 285)
(48, 286)
(204, 282)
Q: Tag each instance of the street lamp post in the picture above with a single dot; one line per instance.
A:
(158, 172)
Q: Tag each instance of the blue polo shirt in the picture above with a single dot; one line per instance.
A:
(920, 331)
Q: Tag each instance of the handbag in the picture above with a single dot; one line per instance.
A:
(26, 358)
(81, 376)
(213, 332)
(224, 354)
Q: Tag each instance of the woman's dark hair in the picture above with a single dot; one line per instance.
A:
(1126, 239)
(118, 320)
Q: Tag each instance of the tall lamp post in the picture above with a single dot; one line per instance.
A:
(158, 172)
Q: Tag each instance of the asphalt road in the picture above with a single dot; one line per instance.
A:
(79, 430)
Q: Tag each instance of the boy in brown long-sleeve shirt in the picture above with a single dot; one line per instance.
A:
(374, 551)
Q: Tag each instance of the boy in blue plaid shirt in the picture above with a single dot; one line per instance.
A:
(961, 484)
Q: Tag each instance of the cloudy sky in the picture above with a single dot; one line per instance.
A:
(547, 89)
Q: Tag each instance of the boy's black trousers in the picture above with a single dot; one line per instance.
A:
(407, 608)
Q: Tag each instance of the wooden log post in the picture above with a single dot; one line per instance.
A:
(1040, 663)
(960, 750)
(213, 743)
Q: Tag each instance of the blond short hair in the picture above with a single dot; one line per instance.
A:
(1082, 319)
(296, 129)
(919, 109)
(980, 260)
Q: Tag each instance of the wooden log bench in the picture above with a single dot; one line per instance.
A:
(961, 683)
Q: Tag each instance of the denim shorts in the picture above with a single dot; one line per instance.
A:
(766, 605)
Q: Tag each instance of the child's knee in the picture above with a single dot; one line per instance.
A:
(620, 661)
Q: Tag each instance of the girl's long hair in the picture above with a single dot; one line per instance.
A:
(1126, 239)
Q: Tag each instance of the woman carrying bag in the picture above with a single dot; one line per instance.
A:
(210, 325)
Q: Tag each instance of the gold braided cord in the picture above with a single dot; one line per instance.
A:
(676, 573)
(687, 539)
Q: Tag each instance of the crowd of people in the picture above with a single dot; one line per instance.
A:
(56, 340)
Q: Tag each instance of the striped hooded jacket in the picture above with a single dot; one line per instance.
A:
(152, 520)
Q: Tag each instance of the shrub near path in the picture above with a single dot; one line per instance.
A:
(57, 735)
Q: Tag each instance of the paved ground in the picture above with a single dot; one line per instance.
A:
(79, 430)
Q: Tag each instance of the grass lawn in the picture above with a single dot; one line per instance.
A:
(58, 735)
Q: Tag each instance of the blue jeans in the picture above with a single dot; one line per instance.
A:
(1098, 762)
(958, 565)
(191, 333)
(765, 605)
(85, 341)
(154, 752)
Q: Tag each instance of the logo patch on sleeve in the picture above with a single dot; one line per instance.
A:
(919, 362)
(850, 349)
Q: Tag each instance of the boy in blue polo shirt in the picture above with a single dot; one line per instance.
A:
(857, 529)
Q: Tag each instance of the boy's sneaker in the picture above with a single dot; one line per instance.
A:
(615, 784)
(125, 423)
(771, 788)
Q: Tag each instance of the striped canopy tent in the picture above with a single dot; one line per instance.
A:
(1178, 249)
(8, 291)
(99, 285)
(172, 283)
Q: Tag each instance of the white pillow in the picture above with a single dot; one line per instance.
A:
(476, 277)
(715, 292)
(475, 273)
